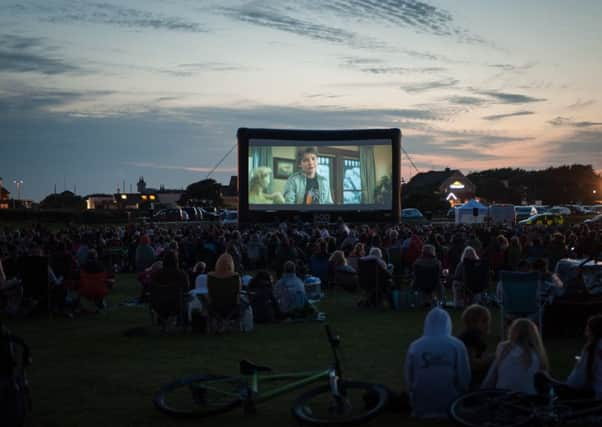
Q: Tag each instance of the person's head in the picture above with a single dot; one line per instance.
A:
(523, 333)
(376, 252)
(540, 265)
(92, 255)
(428, 251)
(144, 240)
(469, 253)
(515, 242)
(359, 249)
(289, 267)
(199, 267)
(523, 266)
(260, 179)
(338, 258)
(502, 242)
(477, 317)
(224, 266)
(307, 158)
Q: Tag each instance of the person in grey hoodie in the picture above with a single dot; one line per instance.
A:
(437, 369)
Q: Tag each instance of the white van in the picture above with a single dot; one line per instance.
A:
(502, 214)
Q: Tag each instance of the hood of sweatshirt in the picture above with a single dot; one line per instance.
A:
(437, 323)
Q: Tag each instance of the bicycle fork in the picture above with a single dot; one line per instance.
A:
(248, 395)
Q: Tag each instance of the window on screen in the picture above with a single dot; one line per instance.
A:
(352, 182)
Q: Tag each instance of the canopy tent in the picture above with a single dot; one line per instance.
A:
(471, 212)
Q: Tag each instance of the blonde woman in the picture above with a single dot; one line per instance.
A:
(258, 186)
(518, 359)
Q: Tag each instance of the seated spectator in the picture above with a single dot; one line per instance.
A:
(518, 359)
(170, 274)
(550, 284)
(289, 291)
(587, 373)
(265, 306)
(359, 250)
(385, 277)
(437, 368)
(11, 293)
(338, 262)
(426, 262)
(145, 254)
(477, 321)
(223, 283)
(459, 281)
(200, 280)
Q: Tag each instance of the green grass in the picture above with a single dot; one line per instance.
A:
(87, 373)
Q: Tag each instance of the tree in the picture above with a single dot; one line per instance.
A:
(206, 191)
(65, 200)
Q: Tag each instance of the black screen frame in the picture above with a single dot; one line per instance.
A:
(247, 215)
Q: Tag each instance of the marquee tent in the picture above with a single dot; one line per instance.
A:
(465, 214)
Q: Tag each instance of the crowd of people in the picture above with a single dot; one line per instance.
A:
(271, 262)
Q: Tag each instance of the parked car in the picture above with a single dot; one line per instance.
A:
(195, 214)
(209, 214)
(543, 219)
(413, 215)
(525, 211)
(502, 214)
(595, 220)
(171, 214)
(562, 210)
(230, 217)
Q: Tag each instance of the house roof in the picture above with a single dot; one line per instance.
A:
(428, 180)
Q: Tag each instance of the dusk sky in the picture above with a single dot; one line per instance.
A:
(95, 93)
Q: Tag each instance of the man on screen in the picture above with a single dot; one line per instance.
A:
(307, 187)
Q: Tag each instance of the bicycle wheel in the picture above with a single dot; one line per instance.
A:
(199, 396)
(358, 402)
(492, 408)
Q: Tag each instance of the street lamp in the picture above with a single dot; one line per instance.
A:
(18, 183)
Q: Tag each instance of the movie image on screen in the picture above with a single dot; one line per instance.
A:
(334, 175)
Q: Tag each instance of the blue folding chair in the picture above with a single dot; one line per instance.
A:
(520, 297)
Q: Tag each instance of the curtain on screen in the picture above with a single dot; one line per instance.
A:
(367, 173)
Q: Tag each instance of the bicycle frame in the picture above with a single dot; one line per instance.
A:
(251, 392)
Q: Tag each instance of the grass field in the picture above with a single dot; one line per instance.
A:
(87, 373)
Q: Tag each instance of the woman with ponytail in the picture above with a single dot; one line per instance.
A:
(587, 374)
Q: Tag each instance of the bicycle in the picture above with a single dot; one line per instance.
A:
(338, 401)
(504, 408)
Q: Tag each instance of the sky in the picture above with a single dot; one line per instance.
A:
(97, 93)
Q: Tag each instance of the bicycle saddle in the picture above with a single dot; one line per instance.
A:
(249, 368)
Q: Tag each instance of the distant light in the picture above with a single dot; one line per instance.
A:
(594, 191)
(144, 197)
(457, 185)
(152, 197)
(124, 196)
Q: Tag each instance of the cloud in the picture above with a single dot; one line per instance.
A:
(28, 54)
(400, 70)
(271, 18)
(425, 86)
(579, 104)
(510, 98)
(511, 67)
(503, 116)
(419, 16)
(40, 100)
(569, 122)
(466, 100)
(303, 18)
(195, 169)
(581, 146)
(111, 14)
